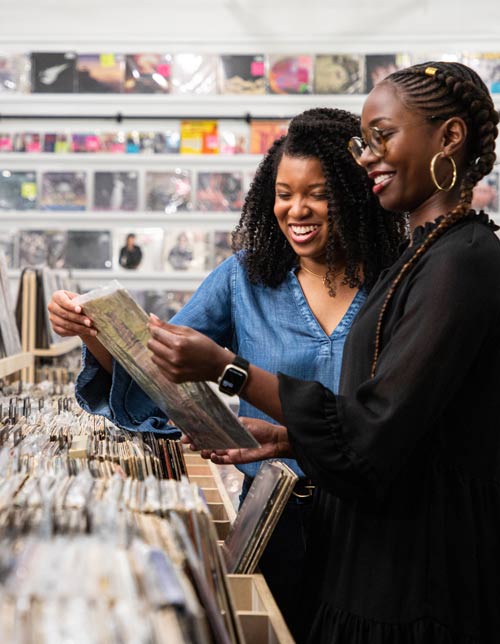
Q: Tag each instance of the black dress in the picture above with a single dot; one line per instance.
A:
(405, 543)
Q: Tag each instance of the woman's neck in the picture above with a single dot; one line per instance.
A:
(437, 204)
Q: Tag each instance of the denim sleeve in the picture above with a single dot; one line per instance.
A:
(118, 397)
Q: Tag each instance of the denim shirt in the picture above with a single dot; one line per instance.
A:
(273, 328)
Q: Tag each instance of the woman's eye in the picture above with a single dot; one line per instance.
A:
(282, 195)
(320, 196)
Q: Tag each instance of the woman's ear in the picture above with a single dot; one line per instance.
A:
(454, 135)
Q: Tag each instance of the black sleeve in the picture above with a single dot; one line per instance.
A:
(350, 444)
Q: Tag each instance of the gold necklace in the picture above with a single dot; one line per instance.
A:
(308, 270)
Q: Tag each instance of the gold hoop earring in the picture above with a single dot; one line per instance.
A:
(437, 156)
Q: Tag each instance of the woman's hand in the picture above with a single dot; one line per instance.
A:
(184, 354)
(67, 319)
(273, 441)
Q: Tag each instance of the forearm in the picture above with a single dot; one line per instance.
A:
(261, 390)
(101, 354)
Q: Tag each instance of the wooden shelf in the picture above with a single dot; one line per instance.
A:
(14, 363)
(59, 348)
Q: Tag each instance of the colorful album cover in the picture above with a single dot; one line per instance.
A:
(148, 73)
(165, 304)
(194, 74)
(378, 66)
(18, 190)
(147, 142)
(485, 193)
(85, 142)
(242, 74)
(168, 141)
(49, 142)
(58, 142)
(185, 250)
(53, 72)
(88, 249)
(199, 137)
(42, 248)
(14, 73)
(132, 143)
(234, 137)
(149, 240)
(63, 191)
(113, 142)
(264, 133)
(219, 191)
(290, 74)
(100, 73)
(222, 246)
(116, 191)
(169, 192)
(338, 74)
(6, 142)
(487, 65)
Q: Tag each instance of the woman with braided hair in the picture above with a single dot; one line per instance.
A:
(404, 542)
(310, 244)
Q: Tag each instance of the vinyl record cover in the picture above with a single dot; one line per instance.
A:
(167, 141)
(186, 249)
(338, 74)
(123, 329)
(378, 66)
(264, 133)
(58, 142)
(100, 73)
(53, 72)
(234, 137)
(485, 194)
(116, 191)
(199, 137)
(169, 191)
(165, 304)
(6, 142)
(88, 249)
(194, 74)
(63, 191)
(113, 142)
(18, 190)
(14, 73)
(42, 248)
(84, 142)
(290, 74)
(149, 240)
(219, 191)
(148, 73)
(242, 74)
(132, 142)
(487, 65)
(147, 142)
(222, 246)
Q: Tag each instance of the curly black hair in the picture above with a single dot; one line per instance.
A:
(361, 232)
(444, 90)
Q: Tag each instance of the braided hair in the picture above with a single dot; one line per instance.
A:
(363, 238)
(444, 90)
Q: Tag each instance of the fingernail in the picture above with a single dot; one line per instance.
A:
(154, 317)
(78, 309)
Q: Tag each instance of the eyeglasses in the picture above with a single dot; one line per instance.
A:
(376, 140)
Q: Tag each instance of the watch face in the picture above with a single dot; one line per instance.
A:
(232, 380)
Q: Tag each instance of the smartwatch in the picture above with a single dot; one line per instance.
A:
(234, 376)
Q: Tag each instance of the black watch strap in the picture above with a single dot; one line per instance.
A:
(241, 362)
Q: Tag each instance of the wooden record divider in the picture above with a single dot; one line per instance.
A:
(28, 329)
(260, 617)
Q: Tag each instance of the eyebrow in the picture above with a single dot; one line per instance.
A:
(377, 120)
(311, 185)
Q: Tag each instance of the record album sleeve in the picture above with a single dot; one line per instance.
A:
(88, 249)
(100, 73)
(122, 328)
(116, 191)
(63, 191)
(113, 142)
(234, 137)
(199, 137)
(339, 74)
(42, 248)
(186, 249)
(194, 74)
(378, 66)
(18, 190)
(264, 133)
(148, 73)
(6, 142)
(290, 74)
(219, 191)
(242, 74)
(53, 72)
(169, 192)
(14, 72)
(149, 240)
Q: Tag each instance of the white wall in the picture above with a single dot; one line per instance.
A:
(328, 25)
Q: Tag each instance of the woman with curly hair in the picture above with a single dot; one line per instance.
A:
(404, 540)
(310, 244)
